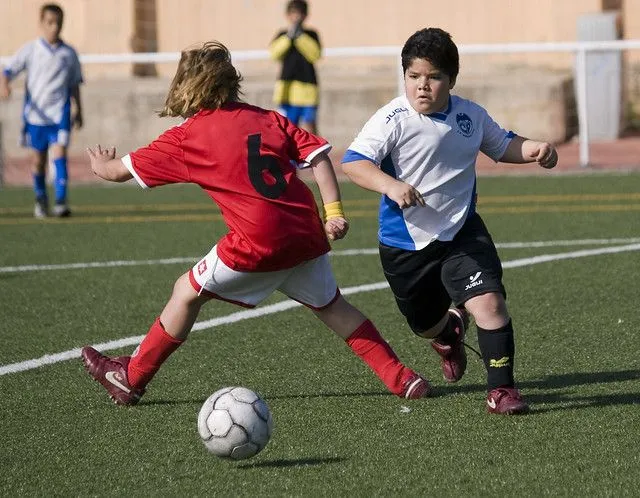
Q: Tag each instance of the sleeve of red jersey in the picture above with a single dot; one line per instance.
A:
(161, 162)
(303, 146)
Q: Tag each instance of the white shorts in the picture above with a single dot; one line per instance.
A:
(311, 283)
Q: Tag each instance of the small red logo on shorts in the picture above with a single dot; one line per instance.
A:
(202, 267)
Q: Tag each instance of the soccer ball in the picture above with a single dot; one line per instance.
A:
(235, 423)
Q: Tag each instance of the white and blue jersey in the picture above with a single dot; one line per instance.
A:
(435, 153)
(52, 72)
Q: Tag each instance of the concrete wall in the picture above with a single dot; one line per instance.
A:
(122, 112)
(119, 110)
(98, 26)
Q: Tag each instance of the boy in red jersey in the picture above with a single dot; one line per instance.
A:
(245, 158)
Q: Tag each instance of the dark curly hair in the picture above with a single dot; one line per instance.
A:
(434, 45)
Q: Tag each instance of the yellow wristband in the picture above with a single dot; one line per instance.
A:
(333, 210)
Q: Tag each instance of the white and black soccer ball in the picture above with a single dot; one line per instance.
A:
(235, 423)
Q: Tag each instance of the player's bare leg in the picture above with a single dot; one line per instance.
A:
(126, 378)
(363, 338)
(181, 311)
(167, 333)
(341, 317)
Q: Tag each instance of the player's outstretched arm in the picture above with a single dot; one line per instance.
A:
(336, 224)
(369, 176)
(523, 150)
(105, 165)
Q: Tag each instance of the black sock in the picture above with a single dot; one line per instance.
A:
(498, 350)
(448, 334)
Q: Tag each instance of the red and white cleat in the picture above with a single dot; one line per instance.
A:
(415, 387)
(453, 356)
(112, 374)
(506, 401)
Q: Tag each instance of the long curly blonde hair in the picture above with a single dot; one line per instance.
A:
(205, 79)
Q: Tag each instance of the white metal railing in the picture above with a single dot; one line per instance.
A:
(580, 49)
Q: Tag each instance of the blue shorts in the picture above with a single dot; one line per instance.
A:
(42, 137)
(297, 113)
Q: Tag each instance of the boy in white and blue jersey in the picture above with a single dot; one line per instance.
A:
(52, 82)
(419, 151)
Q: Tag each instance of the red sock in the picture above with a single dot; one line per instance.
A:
(154, 349)
(369, 345)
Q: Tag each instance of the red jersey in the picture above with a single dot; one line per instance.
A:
(245, 158)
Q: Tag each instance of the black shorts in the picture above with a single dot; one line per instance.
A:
(425, 282)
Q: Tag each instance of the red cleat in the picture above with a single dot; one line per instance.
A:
(506, 401)
(112, 374)
(454, 357)
(415, 386)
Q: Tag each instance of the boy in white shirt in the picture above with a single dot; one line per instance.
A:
(419, 152)
(53, 81)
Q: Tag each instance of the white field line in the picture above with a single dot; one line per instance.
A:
(566, 243)
(285, 305)
(545, 258)
(97, 264)
(345, 252)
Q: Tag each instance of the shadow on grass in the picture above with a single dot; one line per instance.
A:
(560, 381)
(300, 462)
(329, 395)
(567, 400)
(269, 397)
(582, 378)
(561, 401)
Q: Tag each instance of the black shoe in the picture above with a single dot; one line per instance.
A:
(61, 210)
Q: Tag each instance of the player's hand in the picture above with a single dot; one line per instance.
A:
(5, 92)
(336, 228)
(545, 155)
(295, 30)
(78, 121)
(100, 157)
(405, 195)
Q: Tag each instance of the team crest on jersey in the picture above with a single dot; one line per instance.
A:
(465, 125)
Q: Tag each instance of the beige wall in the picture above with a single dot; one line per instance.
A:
(121, 110)
(249, 24)
(632, 61)
(632, 23)
(89, 26)
(105, 26)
